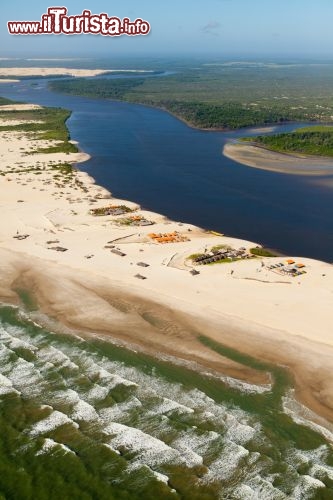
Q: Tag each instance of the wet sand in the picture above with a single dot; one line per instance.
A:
(264, 159)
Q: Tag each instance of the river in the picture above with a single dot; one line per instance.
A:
(148, 156)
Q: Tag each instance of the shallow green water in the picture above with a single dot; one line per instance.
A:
(87, 419)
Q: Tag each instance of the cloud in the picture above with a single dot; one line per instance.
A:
(211, 28)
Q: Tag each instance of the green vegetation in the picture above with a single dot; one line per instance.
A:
(52, 127)
(216, 248)
(224, 95)
(99, 88)
(262, 252)
(110, 210)
(195, 256)
(316, 141)
(315, 128)
(4, 101)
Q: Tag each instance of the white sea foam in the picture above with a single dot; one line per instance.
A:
(161, 477)
(119, 411)
(4, 335)
(239, 432)
(15, 343)
(105, 377)
(109, 447)
(24, 377)
(321, 471)
(190, 442)
(244, 386)
(191, 458)
(169, 405)
(304, 416)
(258, 488)
(158, 475)
(10, 339)
(56, 357)
(306, 488)
(53, 421)
(6, 386)
(228, 462)
(66, 396)
(97, 393)
(50, 445)
(314, 459)
(84, 411)
(148, 450)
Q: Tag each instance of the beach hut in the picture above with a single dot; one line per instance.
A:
(290, 261)
(194, 272)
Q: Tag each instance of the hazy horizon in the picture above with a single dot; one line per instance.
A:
(218, 28)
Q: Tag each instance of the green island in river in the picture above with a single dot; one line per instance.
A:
(316, 140)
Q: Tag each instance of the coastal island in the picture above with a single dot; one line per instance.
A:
(306, 151)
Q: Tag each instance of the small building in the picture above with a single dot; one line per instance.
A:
(118, 252)
(194, 272)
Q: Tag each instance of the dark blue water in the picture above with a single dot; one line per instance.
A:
(148, 156)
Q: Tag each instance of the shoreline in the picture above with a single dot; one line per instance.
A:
(89, 288)
(263, 158)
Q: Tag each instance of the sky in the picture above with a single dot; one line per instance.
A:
(182, 27)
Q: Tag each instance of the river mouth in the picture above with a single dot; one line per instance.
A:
(124, 424)
(208, 190)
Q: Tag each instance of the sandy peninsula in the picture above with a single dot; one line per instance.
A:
(38, 72)
(264, 159)
(109, 275)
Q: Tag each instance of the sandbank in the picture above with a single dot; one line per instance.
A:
(52, 245)
(40, 71)
(8, 80)
(264, 159)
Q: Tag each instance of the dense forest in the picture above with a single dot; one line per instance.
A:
(310, 141)
(229, 115)
(100, 88)
(223, 96)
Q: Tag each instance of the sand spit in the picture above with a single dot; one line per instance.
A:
(258, 157)
(25, 72)
(108, 275)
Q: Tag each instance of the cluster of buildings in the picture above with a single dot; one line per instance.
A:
(289, 268)
(111, 210)
(136, 220)
(174, 237)
(222, 254)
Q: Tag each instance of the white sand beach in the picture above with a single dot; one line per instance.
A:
(72, 261)
(32, 71)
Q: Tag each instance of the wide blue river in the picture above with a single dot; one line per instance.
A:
(148, 156)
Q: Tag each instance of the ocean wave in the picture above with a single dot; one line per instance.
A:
(53, 421)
